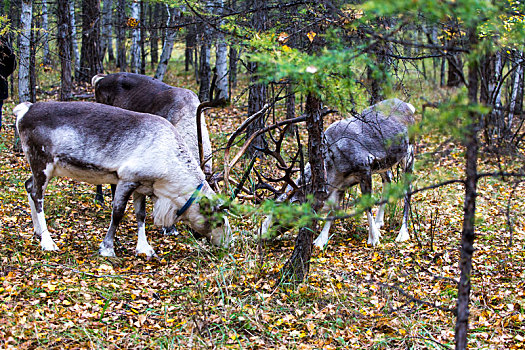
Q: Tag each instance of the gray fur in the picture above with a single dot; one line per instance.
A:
(358, 147)
(141, 93)
(142, 154)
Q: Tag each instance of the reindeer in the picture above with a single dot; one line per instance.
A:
(141, 93)
(372, 143)
(142, 154)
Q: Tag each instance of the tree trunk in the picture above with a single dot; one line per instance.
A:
(169, 41)
(514, 97)
(154, 33)
(383, 62)
(191, 41)
(32, 59)
(105, 30)
(455, 66)
(25, 51)
(298, 266)
(120, 26)
(90, 61)
(45, 27)
(221, 60)
(468, 233)
(205, 49)
(74, 41)
(24, 60)
(205, 70)
(234, 58)
(64, 49)
(257, 91)
(142, 25)
(133, 22)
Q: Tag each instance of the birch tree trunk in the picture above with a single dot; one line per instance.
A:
(135, 38)
(513, 102)
(64, 49)
(169, 41)
(32, 56)
(45, 27)
(221, 61)
(74, 41)
(24, 60)
(24, 51)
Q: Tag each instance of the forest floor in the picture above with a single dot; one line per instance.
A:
(391, 296)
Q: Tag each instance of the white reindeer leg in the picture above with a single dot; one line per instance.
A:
(387, 179)
(143, 247)
(323, 237)
(409, 167)
(373, 231)
(332, 200)
(35, 195)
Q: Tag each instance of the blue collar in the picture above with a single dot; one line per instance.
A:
(190, 201)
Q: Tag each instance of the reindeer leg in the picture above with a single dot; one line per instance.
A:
(333, 200)
(373, 231)
(409, 168)
(387, 178)
(99, 196)
(143, 247)
(35, 187)
(122, 194)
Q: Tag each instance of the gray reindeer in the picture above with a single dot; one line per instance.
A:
(357, 148)
(142, 154)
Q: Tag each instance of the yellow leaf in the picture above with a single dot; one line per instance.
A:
(283, 37)
(311, 35)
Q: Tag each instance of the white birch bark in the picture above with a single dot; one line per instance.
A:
(105, 30)
(45, 28)
(169, 41)
(76, 54)
(221, 57)
(135, 39)
(515, 88)
(25, 34)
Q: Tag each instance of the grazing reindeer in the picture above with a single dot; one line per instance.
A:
(357, 148)
(142, 154)
(141, 93)
(144, 94)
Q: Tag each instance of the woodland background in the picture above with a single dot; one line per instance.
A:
(459, 281)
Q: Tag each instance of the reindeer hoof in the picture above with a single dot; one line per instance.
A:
(170, 231)
(403, 235)
(380, 224)
(148, 251)
(373, 242)
(49, 246)
(106, 251)
(320, 243)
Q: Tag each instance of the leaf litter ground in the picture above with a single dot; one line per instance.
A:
(195, 296)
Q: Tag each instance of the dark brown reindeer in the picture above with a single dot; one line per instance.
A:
(142, 154)
(372, 143)
(141, 93)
